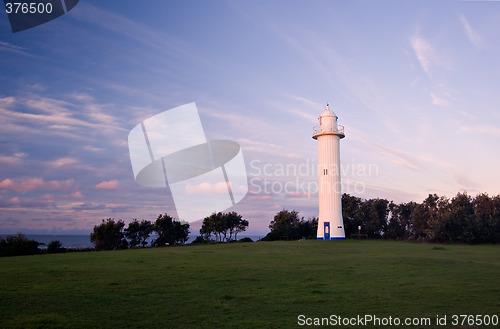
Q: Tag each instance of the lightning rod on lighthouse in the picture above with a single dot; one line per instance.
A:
(328, 135)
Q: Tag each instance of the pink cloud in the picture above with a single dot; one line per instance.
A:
(300, 195)
(259, 197)
(109, 185)
(207, 188)
(31, 184)
(76, 195)
(48, 198)
(15, 201)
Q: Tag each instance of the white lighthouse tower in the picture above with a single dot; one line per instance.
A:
(328, 134)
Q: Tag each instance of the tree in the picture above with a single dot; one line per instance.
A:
(400, 226)
(170, 231)
(55, 247)
(15, 245)
(223, 226)
(308, 228)
(495, 221)
(375, 213)
(459, 222)
(235, 224)
(138, 232)
(484, 211)
(109, 235)
(286, 225)
(424, 215)
(351, 213)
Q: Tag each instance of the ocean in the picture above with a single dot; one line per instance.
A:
(82, 241)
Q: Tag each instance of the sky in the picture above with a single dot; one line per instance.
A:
(414, 83)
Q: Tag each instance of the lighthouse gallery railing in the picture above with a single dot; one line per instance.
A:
(318, 129)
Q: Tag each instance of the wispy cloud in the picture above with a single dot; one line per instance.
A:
(473, 36)
(15, 158)
(301, 107)
(457, 176)
(10, 48)
(485, 130)
(35, 114)
(439, 101)
(157, 40)
(424, 52)
(429, 58)
(31, 184)
(392, 155)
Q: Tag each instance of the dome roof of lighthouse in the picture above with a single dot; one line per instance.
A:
(327, 112)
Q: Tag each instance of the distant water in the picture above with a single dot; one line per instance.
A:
(82, 241)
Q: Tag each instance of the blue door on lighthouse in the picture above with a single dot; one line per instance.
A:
(327, 230)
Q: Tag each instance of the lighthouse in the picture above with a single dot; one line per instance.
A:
(328, 134)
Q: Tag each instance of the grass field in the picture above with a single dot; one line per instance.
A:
(248, 285)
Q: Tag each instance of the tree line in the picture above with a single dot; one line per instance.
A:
(462, 218)
(218, 227)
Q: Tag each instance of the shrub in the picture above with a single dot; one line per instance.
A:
(15, 245)
(55, 247)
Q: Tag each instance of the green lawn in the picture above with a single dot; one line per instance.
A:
(248, 285)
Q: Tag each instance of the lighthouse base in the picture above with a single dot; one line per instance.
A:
(339, 238)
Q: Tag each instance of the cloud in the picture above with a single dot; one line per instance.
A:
(7, 101)
(457, 175)
(32, 184)
(207, 188)
(73, 195)
(308, 111)
(424, 52)
(16, 158)
(10, 48)
(109, 185)
(259, 197)
(427, 56)
(395, 156)
(45, 201)
(92, 148)
(474, 38)
(35, 114)
(88, 206)
(65, 162)
(439, 101)
(158, 40)
(299, 195)
(485, 130)
(14, 201)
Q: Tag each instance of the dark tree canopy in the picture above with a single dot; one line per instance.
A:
(170, 231)
(109, 235)
(223, 226)
(138, 233)
(16, 245)
(288, 226)
(437, 219)
(55, 247)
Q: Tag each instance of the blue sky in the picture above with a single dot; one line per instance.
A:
(415, 83)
